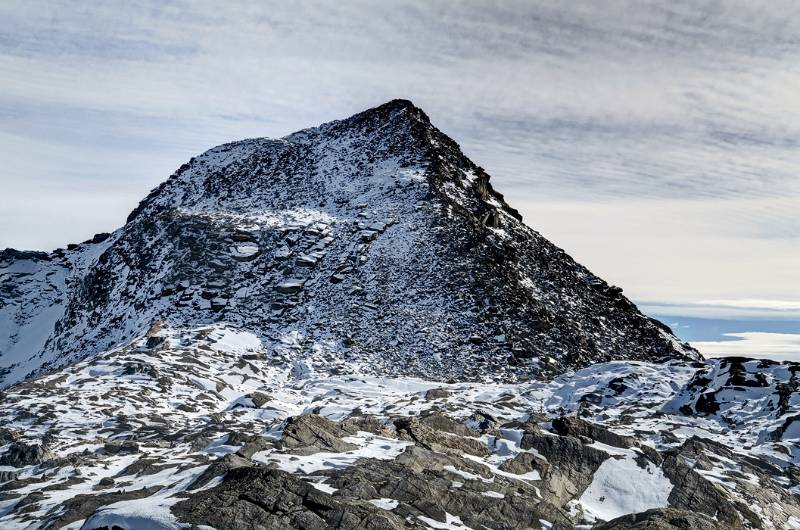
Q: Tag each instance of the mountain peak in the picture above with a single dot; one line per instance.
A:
(393, 106)
(370, 243)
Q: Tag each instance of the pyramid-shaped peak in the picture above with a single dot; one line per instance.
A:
(376, 239)
(397, 112)
(395, 105)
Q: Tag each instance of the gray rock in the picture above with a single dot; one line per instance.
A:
(524, 463)
(571, 426)
(121, 447)
(83, 505)
(437, 393)
(747, 504)
(20, 454)
(424, 484)
(572, 464)
(439, 433)
(311, 434)
(219, 468)
(290, 286)
(250, 498)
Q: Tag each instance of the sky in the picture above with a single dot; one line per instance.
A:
(656, 142)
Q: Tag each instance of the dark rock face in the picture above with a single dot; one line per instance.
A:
(219, 468)
(379, 218)
(576, 427)
(20, 455)
(311, 434)
(270, 498)
(571, 464)
(756, 497)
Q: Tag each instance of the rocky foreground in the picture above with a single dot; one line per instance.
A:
(202, 429)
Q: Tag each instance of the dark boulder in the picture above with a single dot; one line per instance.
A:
(20, 454)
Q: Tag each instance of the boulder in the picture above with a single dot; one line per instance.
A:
(439, 433)
(121, 447)
(309, 434)
(437, 393)
(20, 454)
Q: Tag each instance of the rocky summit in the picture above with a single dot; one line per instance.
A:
(370, 243)
(350, 328)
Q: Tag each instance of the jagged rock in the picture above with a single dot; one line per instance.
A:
(572, 464)
(99, 238)
(121, 447)
(437, 393)
(269, 498)
(312, 433)
(253, 447)
(752, 498)
(525, 463)
(571, 426)
(290, 286)
(254, 400)
(20, 454)
(422, 482)
(439, 433)
(8, 436)
(219, 468)
(366, 423)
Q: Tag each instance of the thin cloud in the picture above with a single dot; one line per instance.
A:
(775, 346)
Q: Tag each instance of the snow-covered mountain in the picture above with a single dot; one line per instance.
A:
(349, 328)
(372, 241)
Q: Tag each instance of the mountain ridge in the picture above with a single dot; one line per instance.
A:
(423, 246)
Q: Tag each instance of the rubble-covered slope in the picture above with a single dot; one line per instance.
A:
(199, 426)
(372, 240)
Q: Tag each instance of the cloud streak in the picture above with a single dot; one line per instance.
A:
(775, 346)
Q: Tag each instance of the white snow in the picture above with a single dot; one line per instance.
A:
(370, 446)
(385, 504)
(621, 487)
(246, 250)
(142, 514)
(451, 523)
